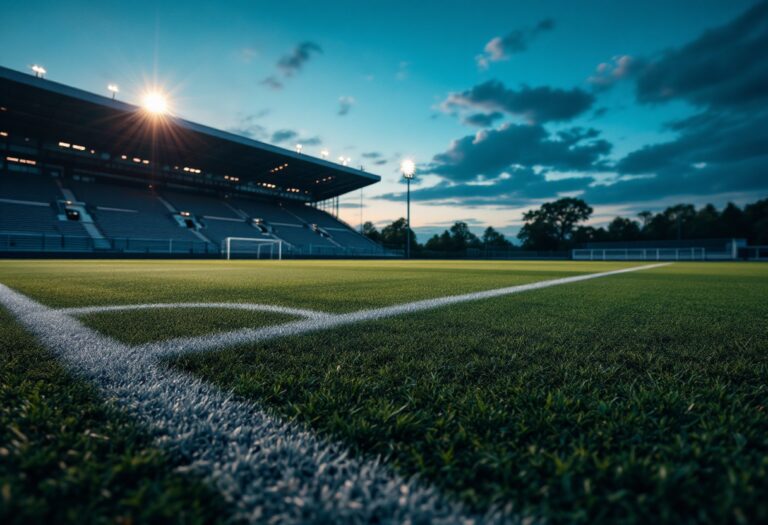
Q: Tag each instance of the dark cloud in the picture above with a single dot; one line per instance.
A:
(372, 155)
(537, 105)
(489, 153)
(247, 126)
(293, 62)
(345, 105)
(311, 141)
(273, 82)
(725, 67)
(724, 147)
(516, 188)
(517, 41)
(715, 152)
(483, 120)
(283, 135)
(609, 73)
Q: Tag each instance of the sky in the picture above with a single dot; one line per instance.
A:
(502, 105)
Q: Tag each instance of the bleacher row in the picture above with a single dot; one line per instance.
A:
(138, 218)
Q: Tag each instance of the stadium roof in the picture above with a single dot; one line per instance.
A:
(56, 112)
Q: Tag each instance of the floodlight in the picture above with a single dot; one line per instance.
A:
(155, 102)
(39, 70)
(408, 168)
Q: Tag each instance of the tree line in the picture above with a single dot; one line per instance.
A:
(558, 225)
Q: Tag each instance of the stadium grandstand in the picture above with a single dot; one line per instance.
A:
(83, 173)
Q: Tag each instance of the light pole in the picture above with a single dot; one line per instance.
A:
(408, 168)
(39, 71)
(113, 89)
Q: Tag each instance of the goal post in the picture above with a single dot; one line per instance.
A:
(253, 247)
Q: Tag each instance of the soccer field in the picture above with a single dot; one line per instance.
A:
(383, 391)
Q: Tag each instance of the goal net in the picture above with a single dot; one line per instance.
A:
(252, 248)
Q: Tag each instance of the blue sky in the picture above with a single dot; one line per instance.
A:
(499, 103)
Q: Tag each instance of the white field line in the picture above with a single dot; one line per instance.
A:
(185, 345)
(298, 312)
(268, 469)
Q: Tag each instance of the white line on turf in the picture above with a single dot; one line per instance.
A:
(251, 335)
(268, 469)
(298, 312)
(271, 471)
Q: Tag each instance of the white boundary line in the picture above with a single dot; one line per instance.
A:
(268, 469)
(298, 312)
(251, 335)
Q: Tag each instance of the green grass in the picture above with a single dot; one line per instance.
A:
(67, 457)
(629, 399)
(144, 326)
(335, 286)
(635, 398)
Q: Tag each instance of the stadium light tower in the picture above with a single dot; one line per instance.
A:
(113, 89)
(408, 169)
(299, 147)
(324, 154)
(39, 71)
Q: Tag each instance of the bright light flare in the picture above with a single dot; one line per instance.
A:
(408, 168)
(113, 88)
(324, 154)
(155, 102)
(39, 70)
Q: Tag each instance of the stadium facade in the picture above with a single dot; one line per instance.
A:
(84, 173)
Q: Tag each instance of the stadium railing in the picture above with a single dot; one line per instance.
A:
(641, 254)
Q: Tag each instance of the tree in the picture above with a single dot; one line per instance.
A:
(623, 229)
(492, 239)
(393, 236)
(457, 239)
(645, 216)
(551, 226)
(370, 231)
(462, 238)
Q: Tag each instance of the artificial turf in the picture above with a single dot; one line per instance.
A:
(631, 399)
(66, 456)
(144, 326)
(634, 398)
(334, 286)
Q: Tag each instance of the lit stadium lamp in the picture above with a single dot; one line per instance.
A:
(299, 147)
(39, 71)
(324, 154)
(155, 102)
(408, 169)
(113, 89)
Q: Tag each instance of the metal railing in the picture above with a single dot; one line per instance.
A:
(54, 243)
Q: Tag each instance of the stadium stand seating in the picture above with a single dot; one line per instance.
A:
(134, 218)
(23, 186)
(129, 212)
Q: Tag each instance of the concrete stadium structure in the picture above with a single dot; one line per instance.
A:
(83, 173)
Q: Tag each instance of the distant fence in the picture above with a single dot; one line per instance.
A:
(52, 243)
(22, 243)
(31, 243)
(642, 254)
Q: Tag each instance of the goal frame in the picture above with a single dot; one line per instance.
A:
(228, 245)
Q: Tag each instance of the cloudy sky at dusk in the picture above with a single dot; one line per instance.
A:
(503, 105)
